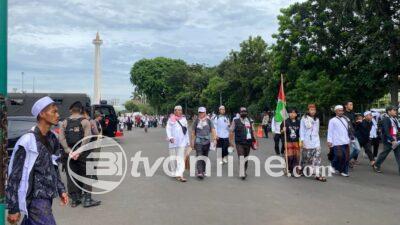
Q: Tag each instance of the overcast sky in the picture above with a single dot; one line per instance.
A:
(51, 40)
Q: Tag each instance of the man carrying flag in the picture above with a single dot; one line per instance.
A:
(279, 117)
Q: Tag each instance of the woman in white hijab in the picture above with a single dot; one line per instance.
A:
(310, 143)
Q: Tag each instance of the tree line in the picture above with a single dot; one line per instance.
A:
(328, 52)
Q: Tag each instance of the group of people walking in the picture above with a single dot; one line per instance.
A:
(347, 135)
(208, 134)
(34, 178)
(300, 140)
(143, 121)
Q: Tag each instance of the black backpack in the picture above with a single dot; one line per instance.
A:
(74, 131)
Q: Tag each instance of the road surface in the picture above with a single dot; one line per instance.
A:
(364, 198)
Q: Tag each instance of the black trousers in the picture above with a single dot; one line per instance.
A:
(279, 138)
(367, 149)
(375, 144)
(223, 143)
(201, 150)
(266, 128)
(243, 150)
(74, 188)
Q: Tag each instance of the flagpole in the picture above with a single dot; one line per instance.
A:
(284, 133)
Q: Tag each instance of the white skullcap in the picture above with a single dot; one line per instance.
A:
(367, 113)
(222, 107)
(202, 110)
(41, 104)
(338, 107)
(178, 107)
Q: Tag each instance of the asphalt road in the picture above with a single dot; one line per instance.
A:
(362, 199)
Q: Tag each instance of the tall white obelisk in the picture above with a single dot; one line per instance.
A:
(97, 70)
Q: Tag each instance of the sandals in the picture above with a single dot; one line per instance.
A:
(322, 179)
(181, 179)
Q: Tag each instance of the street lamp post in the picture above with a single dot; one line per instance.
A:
(3, 109)
(33, 84)
(22, 82)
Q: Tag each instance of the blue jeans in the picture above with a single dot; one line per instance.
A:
(341, 158)
(355, 149)
(387, 148)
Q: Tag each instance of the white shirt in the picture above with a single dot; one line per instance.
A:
(222, 124)
(145, 121)
(338, 133)
(275, 126)
(174, 130)
(309, 132)
(374, 130)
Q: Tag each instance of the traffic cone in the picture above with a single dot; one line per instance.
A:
(260, 132)
(119, 134)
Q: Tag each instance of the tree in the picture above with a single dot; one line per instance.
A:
(210, 96)
(247, 73)
(131, 106)
(381, 34)
(323, 57)
(160, 79)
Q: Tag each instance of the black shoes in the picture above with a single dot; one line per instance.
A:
(89, 202)
(75, 203)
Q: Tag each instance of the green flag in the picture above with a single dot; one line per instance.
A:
(280, 112)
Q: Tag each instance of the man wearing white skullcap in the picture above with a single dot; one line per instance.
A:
(38, 151)
(363, 130)
(339, 142)
(178, 138)
(221, 123)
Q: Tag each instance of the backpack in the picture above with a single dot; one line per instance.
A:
(196, 122)
(74, 131)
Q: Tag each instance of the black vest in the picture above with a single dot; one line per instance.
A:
(241, 134)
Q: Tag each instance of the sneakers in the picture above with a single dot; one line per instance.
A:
(344, 175)
(376, 169)
(332, 170)
(223, 161)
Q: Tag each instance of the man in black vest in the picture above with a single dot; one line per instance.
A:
(242, 136)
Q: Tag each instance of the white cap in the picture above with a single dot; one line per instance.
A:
(367, 113)
(178, 107)
(338, 107)
(41, 104)
(202, 110)
(222, 107)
